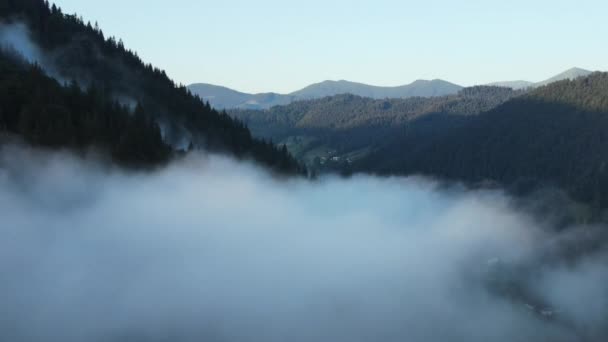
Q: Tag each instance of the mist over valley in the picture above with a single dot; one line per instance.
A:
(136, 208)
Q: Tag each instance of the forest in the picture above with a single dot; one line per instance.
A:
(551, 136)
(113, 82)
(348, 126)
(554, 136)
(45, 113)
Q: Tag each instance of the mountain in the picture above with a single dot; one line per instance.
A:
(554, 135)
(225, 98)
(341, 125)
(569, 74)
(420, 88)
(72, 87)
(221, 97)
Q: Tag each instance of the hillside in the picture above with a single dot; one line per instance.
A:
(341, 125)
(45, 113)
(555, 135)
(78, 53)
(348, 111)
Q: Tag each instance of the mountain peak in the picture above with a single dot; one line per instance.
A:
(570, 74)
(577, 72)
(577, 69)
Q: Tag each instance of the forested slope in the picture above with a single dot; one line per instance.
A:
(72, 50)
(556, 135)
(346, 126)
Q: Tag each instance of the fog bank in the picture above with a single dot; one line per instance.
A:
(216, 250)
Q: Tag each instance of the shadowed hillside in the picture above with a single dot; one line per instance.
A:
(555, 135)
(70, 49)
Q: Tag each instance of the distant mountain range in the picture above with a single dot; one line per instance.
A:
(421, 88)
(226, 98)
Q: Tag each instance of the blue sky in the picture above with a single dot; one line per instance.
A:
(281, 46)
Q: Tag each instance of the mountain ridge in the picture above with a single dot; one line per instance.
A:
(570, 74)
(222, 97)
(226, 98)
(551, 136)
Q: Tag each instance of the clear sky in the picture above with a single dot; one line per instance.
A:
(281, 45)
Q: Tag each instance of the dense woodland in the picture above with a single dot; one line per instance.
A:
(350, 111)
(348, 123)
(554, 136)
(45, 113)
(115, 82)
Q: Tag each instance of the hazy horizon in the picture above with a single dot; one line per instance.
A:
(274, 46)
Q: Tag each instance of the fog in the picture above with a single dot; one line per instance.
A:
(218, 250)
(16, 37)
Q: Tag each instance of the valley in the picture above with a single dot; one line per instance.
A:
(135, 208)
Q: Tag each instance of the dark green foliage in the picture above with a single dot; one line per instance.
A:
(48, 114)
(349, 124)
(350, 111)
(80, 51)
(556, 135)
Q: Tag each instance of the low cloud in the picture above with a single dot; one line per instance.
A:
(217, 250)
(16, 37)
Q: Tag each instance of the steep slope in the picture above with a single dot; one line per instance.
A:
(43, 112)
(555, 135)
(70, 49)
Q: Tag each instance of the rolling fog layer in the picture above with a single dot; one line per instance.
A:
(215, 250)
